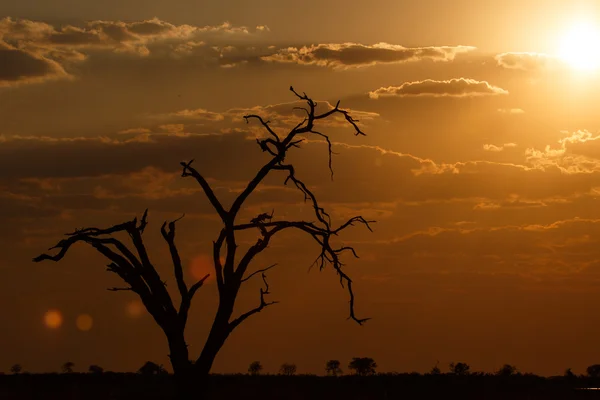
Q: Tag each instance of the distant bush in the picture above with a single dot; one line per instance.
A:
(255, 368)
(363, 366)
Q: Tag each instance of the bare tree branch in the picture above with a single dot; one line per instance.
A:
(134, 266)
(233, 324)
(118, 289)
(258, 272)
(188, 170)
(264, 123)
(186, 301)
(169, 237)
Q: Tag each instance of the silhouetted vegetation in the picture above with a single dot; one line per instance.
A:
(569, 374)
(16, 369)
(435, 370)
(255, 368)
(231, 268)
(593, 371)
(332, 367)
(127, 386)
(507, 370)
(363, 366)
(287, 369)
(95, 369)
(150, 368)
(459, 368)
(67, 368)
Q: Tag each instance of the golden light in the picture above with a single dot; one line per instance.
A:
(53, 319)
(84, 322)
(580, 47)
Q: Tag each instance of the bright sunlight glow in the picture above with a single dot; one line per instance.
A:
(580, 47)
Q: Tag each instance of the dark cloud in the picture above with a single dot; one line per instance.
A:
(348, 55)
(75, 37)
(457, 87)
(20, 66)
(30, 45)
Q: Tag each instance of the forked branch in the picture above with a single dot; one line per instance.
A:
(321, 230)
(233, 324)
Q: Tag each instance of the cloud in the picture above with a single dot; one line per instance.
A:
(578, 153)
(20, 66)
(511, 111)
(494, 148)
(198, 114)
(457, 87)
(285, 115)
(37, 49)
(523, 61)
(348, 55)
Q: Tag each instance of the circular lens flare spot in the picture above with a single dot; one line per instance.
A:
(84, 322)
(135, 308)
(53, 319)
(200, 266)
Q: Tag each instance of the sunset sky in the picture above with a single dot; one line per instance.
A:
(481, 165)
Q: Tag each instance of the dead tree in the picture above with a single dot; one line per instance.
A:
(137, 271)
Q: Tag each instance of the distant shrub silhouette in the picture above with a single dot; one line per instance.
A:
(16, 369)
(593, 371)
(67, 368)
(150, 368)
(287, 369)
(507, 370)
(95, 369)
(459, 368)
(363, 366)
(255, 368)
(332, 368)
(435, 370)
(569, 374)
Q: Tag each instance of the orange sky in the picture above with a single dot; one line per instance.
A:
(481, 166)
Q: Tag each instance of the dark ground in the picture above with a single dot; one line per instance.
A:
(386, 386)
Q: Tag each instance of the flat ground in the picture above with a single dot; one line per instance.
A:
(389, 386)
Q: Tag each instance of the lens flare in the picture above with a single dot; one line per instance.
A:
(53, 319)
(135, 308)
(84, 322)
(200, 266)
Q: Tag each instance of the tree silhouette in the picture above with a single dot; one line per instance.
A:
(569, 374)
(255, 368)
(151, 368)
(287, 369)
(142, 278)
(593, 371)
(459, 368)
(332, 367)
(435, 370)
(506, 370)
(16, 369)
(67, 368)
(95, 369)
(363, 366)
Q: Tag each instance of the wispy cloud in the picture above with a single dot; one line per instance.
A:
(457, 87)
(353, 55)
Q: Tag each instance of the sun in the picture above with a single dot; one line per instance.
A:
(580, 47)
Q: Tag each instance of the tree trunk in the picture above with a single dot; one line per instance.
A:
(178, 351)
(191, 384)
(188, 384)
(216, 339)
